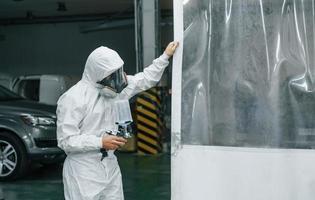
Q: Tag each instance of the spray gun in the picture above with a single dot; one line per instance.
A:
(123, 122)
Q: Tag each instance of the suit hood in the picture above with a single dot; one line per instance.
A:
(101, 63)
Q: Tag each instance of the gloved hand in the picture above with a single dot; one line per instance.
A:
(112, 142)
(171, 48)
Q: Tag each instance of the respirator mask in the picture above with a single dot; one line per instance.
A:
(113, 84)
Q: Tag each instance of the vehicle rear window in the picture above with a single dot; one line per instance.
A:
(29, 89)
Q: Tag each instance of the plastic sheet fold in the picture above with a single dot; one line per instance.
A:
(248, 73)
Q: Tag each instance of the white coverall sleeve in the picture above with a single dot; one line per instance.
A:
(150, 76)
(70, 114)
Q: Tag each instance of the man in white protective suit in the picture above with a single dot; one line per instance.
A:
(84, 115)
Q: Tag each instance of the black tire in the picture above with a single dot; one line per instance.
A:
(19, 157)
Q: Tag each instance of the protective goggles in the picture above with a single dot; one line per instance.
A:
(117, 81)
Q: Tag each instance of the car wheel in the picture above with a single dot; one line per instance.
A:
(13, 157)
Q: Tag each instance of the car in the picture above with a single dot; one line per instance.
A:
(27, 135)
(44, 88)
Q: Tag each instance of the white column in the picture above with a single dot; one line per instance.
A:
(147, 14)
(150, 30)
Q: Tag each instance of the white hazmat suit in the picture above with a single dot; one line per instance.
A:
(83, 117)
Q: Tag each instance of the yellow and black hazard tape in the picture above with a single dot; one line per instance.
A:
(149, 123)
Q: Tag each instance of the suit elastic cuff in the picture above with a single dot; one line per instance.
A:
(100, 143)
(165, 57)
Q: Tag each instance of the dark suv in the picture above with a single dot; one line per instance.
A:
(27, 134)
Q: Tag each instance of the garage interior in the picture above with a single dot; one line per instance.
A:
(54, 38)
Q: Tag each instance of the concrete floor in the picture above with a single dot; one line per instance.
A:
(144, 177)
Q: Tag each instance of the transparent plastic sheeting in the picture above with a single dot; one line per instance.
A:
(248, 73)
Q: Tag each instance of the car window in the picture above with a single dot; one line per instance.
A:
(29, 89)
(6, 94)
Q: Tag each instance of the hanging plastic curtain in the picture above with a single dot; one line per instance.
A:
(243, 100)
(248, 73)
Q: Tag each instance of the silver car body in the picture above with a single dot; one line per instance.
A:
(40, 141)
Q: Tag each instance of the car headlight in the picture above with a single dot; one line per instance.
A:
(38, 120)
